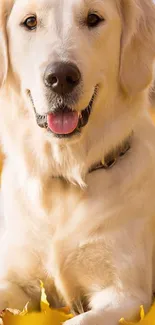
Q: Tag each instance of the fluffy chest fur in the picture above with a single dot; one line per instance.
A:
(78, 235)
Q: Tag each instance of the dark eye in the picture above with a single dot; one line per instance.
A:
(93, 20)
(30, 23)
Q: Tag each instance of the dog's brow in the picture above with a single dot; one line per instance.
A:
(90, 2)
(37, 4)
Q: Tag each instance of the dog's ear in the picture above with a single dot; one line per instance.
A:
(5, 8)
(137, 45)
(3, 58)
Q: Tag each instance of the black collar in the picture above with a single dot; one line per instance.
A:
(113, 156)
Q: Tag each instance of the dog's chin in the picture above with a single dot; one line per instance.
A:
(64, 122)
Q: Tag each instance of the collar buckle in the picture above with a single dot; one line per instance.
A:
(111, 158)
(109, 164)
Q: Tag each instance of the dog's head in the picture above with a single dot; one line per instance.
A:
(69, 56)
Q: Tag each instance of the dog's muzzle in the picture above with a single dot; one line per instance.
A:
(64, 121)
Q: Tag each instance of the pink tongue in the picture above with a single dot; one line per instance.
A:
(63, 122)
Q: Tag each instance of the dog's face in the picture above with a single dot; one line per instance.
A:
(67, 54)
(62, 52)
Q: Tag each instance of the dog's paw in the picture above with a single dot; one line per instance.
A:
(12, 296)
(88, 318)
(97, 317)
(78, 320)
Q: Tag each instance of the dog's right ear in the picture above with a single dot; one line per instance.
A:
(5, 8)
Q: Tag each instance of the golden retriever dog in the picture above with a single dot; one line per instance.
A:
(78, 185)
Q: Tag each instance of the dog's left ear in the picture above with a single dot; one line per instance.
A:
(5, 9)
(3, 58)
(138, 44)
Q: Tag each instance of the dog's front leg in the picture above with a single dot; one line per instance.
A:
(19, 276)
(12, 296)
(119, 306)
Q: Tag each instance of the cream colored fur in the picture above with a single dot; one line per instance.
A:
(87, 236)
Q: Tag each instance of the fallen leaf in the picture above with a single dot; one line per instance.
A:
(46, 316)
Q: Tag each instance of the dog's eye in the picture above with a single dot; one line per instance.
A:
(93, 20)
(30, 23)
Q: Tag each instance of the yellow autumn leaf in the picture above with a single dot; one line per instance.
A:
(47, 315)
(44, 305)
(51, 317)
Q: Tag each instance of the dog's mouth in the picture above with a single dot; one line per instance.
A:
(65, 121)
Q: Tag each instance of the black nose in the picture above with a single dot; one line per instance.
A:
(62, 78)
